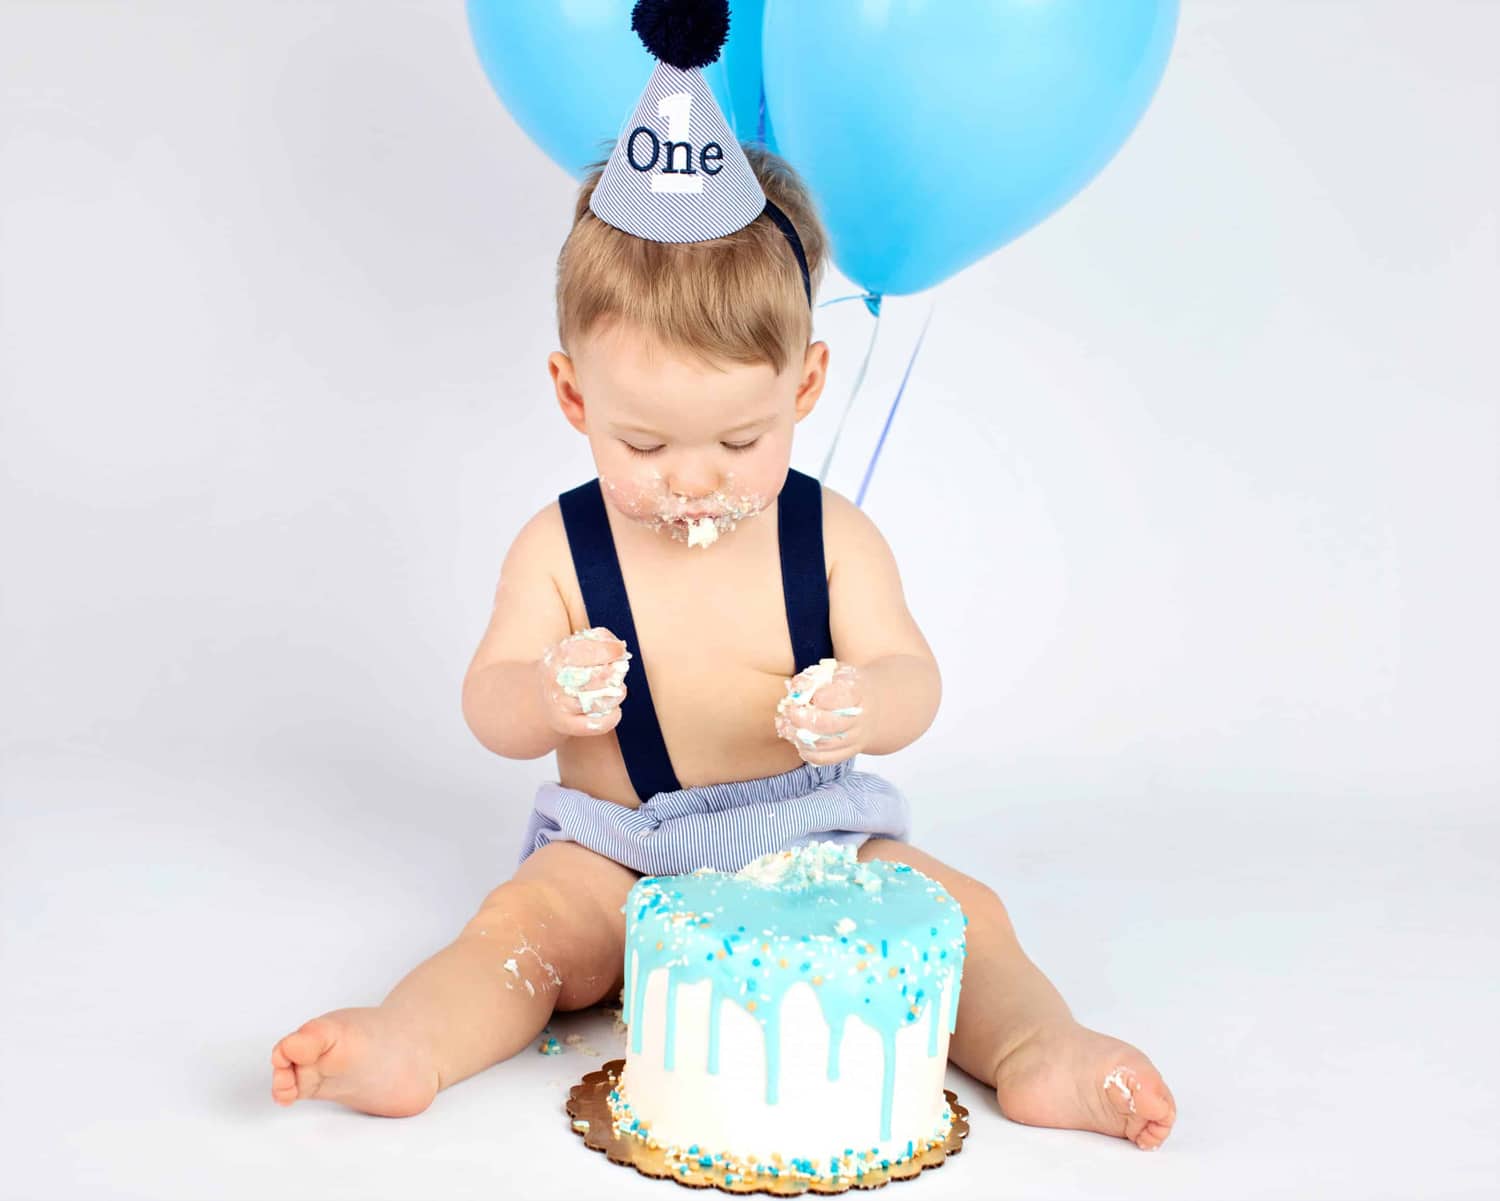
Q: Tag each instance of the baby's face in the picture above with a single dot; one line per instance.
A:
(687, 449)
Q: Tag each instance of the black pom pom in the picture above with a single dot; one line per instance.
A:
(684, 33)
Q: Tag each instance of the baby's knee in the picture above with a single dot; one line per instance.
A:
(977, 899)
(522, 905)
(546, 938)
(980, 902)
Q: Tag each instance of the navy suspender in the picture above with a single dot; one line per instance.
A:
(804, 578)
(598, 568)
(804, 583)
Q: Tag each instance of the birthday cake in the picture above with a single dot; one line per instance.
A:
(791, 1019)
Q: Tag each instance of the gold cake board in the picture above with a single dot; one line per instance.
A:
(588, 1106)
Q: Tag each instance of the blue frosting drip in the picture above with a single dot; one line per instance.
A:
(876, 940)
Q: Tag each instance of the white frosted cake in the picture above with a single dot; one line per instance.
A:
(792, 1018)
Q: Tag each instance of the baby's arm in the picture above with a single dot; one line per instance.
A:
(512, 698)
(895, 684)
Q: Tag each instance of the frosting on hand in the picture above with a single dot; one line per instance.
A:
(575, 672)
(823, 712)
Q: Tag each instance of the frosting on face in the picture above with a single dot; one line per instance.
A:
(696, 521)
(702, 531)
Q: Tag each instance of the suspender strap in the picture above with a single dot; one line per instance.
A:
(804, 578)
(598, 567)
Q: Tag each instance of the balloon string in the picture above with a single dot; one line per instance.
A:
(841, 299)
(849, 404)
(891, 416)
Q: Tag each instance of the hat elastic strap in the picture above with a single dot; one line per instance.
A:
(785, 225)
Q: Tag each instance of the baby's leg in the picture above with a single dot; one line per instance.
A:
(551, 938)
(1016, 1034)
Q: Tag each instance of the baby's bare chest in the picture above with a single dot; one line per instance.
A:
(694, 625)
(713, 642)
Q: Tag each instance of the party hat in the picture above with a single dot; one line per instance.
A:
(677, 173)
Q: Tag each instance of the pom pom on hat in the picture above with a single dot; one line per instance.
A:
(684, 33)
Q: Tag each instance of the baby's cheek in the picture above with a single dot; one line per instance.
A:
(764, 469)
(636, 495)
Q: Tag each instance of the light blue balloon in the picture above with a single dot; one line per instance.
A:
(571, 71)
(742, 94)
(935, 131)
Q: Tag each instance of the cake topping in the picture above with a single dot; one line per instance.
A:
(816, 865)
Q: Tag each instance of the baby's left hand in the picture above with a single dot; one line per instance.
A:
(826, 713)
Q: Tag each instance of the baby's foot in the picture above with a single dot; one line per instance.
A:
(1074, 1078)
(360, 1057)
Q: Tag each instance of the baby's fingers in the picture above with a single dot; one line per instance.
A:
(589, 648)
(591, 700)
(842, 692)
(586, 725)
(593, 686)
(824, 754)
(818, 720)
(584, 679)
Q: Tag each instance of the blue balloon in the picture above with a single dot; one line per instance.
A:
(933, 133)
(571, 73)
(742, 96)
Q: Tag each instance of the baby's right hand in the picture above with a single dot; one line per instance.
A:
(582, 681)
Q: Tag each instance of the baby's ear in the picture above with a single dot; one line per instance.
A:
(565, 382)
(814, 375)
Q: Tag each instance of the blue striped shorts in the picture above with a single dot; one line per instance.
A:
(723, 826)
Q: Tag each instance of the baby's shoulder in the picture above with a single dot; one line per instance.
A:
(848, 531)
(543, 528)
(540, 547)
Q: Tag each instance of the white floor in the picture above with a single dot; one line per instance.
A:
(1312, 986)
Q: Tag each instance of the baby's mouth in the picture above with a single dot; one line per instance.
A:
(701, 529)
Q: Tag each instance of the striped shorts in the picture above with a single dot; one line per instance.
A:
(723, 826)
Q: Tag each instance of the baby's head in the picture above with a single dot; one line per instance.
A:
(686, 364)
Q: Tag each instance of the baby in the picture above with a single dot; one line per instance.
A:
(649, 628)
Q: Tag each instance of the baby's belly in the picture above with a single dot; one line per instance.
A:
(718, 727)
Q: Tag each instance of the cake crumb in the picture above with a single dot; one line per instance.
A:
(1117, 1078)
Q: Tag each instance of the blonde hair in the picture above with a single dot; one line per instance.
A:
(736, 299)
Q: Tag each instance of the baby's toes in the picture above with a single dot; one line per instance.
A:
(1143, 1100)
(295, 1073)
(1153, 1135)
(283, 1079)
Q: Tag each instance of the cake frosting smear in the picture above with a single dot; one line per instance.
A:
(791, 1019)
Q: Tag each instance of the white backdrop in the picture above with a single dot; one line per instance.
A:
(1207, 466)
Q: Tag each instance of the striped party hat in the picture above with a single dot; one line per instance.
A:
(677, 173)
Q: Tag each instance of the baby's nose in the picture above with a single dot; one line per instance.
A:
(692, 482)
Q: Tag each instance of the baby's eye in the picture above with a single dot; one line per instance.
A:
(639, 450)
(739, 445)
